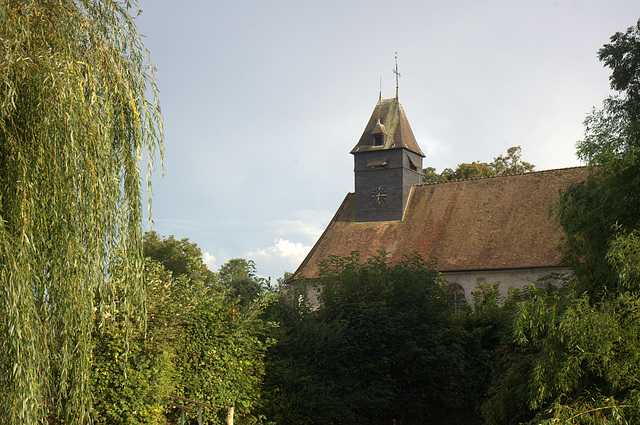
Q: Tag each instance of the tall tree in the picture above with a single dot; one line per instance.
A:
(502, 165)
(222, 359)
(510, 163)
(605, 207)
(474, 170)
(429, 175)
(385, 345)
(208, 324)
(191, 276)
(579, 353)
(74, 119)
(239, 276)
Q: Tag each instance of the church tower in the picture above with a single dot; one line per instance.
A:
(388, 162)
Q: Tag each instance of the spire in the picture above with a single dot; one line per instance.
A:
(395, 71)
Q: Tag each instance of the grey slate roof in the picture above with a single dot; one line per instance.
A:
(388, 118)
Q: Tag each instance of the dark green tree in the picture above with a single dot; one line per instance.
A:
(385, 344)
(579, 352)
(447, 175)
(239, 277)
(605, 207)
(429, 175)
(510, 365)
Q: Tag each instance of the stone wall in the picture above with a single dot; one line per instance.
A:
(469, 281)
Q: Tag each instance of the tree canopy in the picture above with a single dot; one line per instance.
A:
(239, 277)
(502, 165)
(573, 354)
(181, 257)
(74, 122)
(604, 209)
(201, 342)
(385, 344)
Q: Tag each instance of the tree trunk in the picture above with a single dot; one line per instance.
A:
(230, 415)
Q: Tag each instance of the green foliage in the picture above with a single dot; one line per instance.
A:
(386, 344)
(624, 258)
(622, 55)
(212, 339)
(593, 212)
(510, 163)
(182, 258)
(510, 363)
(501, 166)
(239, 277)
(575, 352)
(429, 175)
(74, 120)
(130, 387)
(474, 170)
(200, 342)
(580, 358)
(222, 362)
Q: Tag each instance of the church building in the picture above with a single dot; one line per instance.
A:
(497, 229)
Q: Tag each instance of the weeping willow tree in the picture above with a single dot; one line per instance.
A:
(78, 111)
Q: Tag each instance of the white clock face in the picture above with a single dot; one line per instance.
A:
(379, 195)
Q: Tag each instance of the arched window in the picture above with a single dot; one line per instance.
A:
(456, 294)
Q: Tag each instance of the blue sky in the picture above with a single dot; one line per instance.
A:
(263, 100)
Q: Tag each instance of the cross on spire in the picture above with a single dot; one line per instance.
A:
(395, 71)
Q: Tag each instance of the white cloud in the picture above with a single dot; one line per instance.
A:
(214, 258)
(293, 252)
(209, 260)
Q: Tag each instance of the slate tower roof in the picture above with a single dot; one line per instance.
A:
(388, 120)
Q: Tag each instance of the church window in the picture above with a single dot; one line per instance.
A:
(456, 294)
(378, 139)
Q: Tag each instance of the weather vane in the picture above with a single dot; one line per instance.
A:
(395, 71)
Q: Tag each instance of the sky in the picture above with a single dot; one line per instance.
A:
(263, 100)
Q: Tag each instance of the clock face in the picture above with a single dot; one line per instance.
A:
(379, 195)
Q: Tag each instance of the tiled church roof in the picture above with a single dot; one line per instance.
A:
(483, 224)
